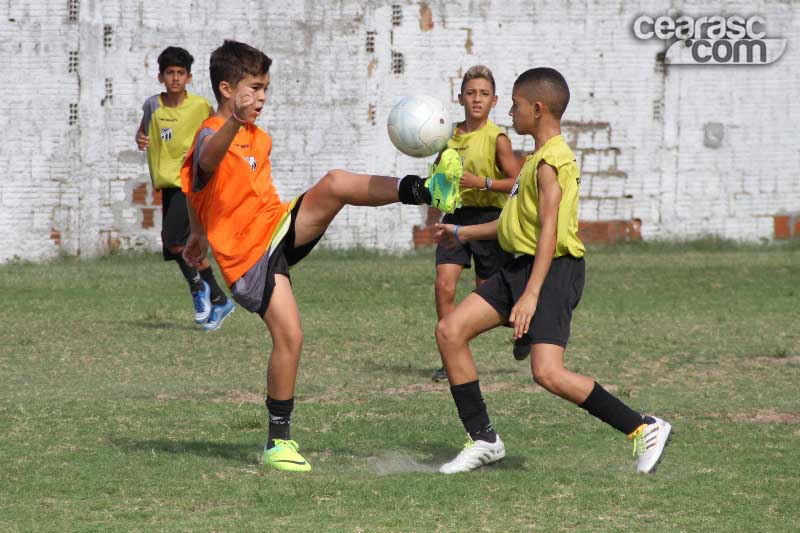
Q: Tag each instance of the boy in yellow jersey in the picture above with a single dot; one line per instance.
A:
(256, 237)
(535, 293)
(490, 168)
(171, 119)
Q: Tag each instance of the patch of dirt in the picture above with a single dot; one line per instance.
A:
(766, 417)
(165, 398)
(499, 386)
(417, 388)
(502, 386)
(777, 361)
(239, 397)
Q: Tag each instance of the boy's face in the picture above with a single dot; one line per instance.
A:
(255, 85)
(175, 79)
(523, 113)
(478, 98)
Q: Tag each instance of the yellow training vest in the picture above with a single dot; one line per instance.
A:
(519, 228)
(171, 131)
(478, 150)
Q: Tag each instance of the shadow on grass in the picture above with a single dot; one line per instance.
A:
(245, 453)
(155, 324)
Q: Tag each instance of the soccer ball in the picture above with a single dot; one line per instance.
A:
(418, 126)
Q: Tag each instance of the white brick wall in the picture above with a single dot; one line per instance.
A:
(637, 128)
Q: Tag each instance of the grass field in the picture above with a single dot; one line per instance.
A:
(117, 414)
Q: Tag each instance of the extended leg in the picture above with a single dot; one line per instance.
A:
(649, 434)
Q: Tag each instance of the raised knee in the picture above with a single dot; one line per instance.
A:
(334, 179)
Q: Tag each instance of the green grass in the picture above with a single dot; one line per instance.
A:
(117, 414)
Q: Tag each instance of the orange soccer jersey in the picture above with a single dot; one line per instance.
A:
(239, 206)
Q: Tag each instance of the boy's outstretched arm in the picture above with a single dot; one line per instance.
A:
(446, 233)
(549, 200)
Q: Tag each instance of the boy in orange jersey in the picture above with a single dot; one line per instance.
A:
(537, 292)
(255, 236)
(171, 119)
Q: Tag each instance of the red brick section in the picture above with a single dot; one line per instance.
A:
(55, 235)
(140, 194)
(783, 227)
(610, 231)
(604, 232)
(156, 197)
(148, 217)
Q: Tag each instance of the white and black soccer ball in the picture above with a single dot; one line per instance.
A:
(418, 126)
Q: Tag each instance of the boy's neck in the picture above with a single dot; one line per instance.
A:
(225, 110)
(545, 132)
(469, 125)
(173, 99)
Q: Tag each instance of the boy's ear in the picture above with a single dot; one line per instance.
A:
(460, 100)
(189, 78)
(225, 89)
(494, 101)
(160, 78)
(538, 108)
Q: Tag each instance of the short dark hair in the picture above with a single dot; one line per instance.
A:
(546, 84)
(478, 72)
(174, 56)
(233, 61)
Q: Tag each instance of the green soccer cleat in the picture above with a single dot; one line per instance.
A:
(284, 456)
(443, 182)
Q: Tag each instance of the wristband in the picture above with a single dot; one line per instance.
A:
(488, 183)
(455, 234)
(233, 114)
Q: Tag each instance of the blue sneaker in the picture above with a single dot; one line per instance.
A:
(218, 314)
(202, 304)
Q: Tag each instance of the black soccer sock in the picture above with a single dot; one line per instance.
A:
(190, 274)
(611, 410)
(280, 419)
(472, 411)
(217, 296)
(412, 191)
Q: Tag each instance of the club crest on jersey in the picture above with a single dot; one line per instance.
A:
(251, 161)
(166, 134)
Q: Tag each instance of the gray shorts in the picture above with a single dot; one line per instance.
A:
(253, 290)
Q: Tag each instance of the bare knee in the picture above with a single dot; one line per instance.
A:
(289, 341)
(334, 181)
(445, 290)
(449, 333)
(548, 377)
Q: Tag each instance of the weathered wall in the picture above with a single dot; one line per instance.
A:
(687, 151)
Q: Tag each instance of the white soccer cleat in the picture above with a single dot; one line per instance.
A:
(649, 442)
(475, 454)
